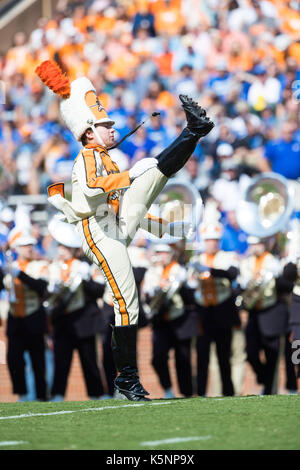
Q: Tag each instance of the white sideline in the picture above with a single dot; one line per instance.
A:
(52, 413)
(251, 396)
(174, 440)
(12, 443)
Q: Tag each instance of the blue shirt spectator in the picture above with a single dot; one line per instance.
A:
(283, 155)
(233, 237)
(144, 20)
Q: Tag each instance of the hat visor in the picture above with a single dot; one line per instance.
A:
(105, 121)
(25, 241)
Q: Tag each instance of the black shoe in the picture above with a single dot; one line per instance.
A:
(129, 385)
(196, 117)
(124, 353)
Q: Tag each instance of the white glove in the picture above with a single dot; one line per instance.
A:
(54, 287)
(84, 271)
(60, 217)
(180, 229)
(141, 166)
(56, 201)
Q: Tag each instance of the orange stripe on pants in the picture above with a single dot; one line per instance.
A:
(107, 271)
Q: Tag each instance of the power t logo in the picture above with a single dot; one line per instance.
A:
(100, 107)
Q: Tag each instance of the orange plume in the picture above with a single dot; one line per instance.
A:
(52, 76)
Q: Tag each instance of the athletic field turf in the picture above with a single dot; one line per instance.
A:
(254, 422)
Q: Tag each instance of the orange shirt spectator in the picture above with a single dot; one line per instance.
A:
(32, 60)
(80, 19)
(157, 5)
(294, 51)
(69, 49)
(164, 63)
(238, 62)
(105, 23)
(119, 68)
(165, 100)
(77, 67)
(269, 51)
(290, 22)
(168, 19)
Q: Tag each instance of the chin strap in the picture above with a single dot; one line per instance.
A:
(97, 135)
(133, 131)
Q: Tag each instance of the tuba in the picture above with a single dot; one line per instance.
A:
(264, 210)
(179, 201)
(266, 205)
(61, 294)
(256, 288)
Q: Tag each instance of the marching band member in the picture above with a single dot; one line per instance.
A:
(168, 299)
(26, 281)
(260, 278)
(214, 272)
(106, 219)
(74, 314)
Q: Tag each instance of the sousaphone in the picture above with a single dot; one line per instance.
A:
(179, 201)
(265, 206)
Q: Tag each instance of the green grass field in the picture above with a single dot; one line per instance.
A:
(270, 422)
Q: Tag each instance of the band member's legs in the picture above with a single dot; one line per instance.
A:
(223, 337)
(88, 358)
(271, 347)
(183, 367)
(138, 199)
(253, 347)
(107, 360)
(203, 349)
(111, 255)
(162, 344)
(16, 363)
(291, 378)
(63, 352)
(144, 189)
(36, 348)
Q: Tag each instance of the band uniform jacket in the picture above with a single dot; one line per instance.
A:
(215, 294)
(81, 317)
(270, 311)
(176, 314)
(30, 287)
(97, 188)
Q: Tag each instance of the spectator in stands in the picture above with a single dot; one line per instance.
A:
(143, 19)
(283, 155)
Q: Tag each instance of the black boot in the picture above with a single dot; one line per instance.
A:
(174, 157)
(124, 352)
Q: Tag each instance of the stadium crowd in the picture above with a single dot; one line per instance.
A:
(240, 59)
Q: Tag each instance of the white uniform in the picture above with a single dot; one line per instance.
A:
(107, 221)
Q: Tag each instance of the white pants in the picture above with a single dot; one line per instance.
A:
(105, 242)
